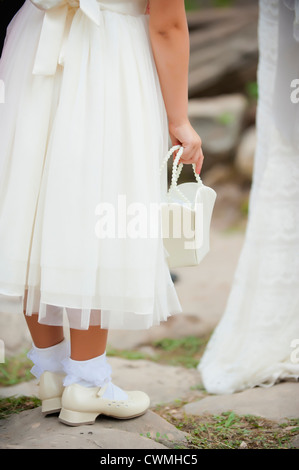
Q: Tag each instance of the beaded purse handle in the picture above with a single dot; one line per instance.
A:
(176, 170)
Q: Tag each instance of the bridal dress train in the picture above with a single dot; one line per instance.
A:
(257, 339)
(83, 132)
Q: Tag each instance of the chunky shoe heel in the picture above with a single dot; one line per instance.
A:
(50, 392)
(77, 418)
(51, 405)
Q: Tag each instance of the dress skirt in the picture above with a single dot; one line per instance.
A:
(83, 132)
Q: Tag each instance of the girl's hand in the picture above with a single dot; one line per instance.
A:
(186, 136)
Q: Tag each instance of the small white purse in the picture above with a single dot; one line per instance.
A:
(186, 217)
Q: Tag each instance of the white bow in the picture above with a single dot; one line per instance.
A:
(52, 33)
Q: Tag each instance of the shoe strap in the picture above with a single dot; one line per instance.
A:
(102, 390)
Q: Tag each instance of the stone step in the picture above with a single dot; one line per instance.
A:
(31, 430)
(276, 403)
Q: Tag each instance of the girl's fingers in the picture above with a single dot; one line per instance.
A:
(190, 155)
(199, 162)
(198, 167)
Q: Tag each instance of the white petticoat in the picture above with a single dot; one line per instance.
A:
(94, 132)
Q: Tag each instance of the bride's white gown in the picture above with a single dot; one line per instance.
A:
(256, 339)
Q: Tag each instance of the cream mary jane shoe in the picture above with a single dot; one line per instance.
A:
(50, 391)
(82, 405)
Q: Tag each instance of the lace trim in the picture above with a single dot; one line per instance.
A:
(48, 359)
(95, 371)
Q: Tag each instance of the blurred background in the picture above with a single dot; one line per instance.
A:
(223, 96)
(222, 108)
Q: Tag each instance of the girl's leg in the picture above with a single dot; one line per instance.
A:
(87, 364)
(43, 336)
(49, 347)
(87, 344)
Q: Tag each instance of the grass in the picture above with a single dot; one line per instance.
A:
(15, 370)
(197, 4)
(127, 354)
(184, 351)
(229, 430)
(12, 405)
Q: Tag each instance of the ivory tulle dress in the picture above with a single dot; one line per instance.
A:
(83, 132)
(256, 342)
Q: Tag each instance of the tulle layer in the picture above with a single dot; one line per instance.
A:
(76, 147)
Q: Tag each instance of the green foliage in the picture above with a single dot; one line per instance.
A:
(231, 431)
(189, 343)
(245, 207)
(126, 354)
(192, 4)
(197, 4)
(15, 370)
(184, 351)
(226, 118)
(12, 405)
(252, 90)
(223, 3)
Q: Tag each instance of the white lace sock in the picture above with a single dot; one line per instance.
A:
(48, 359)
(95, 372)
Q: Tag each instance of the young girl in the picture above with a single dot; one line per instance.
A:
(92, 90)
